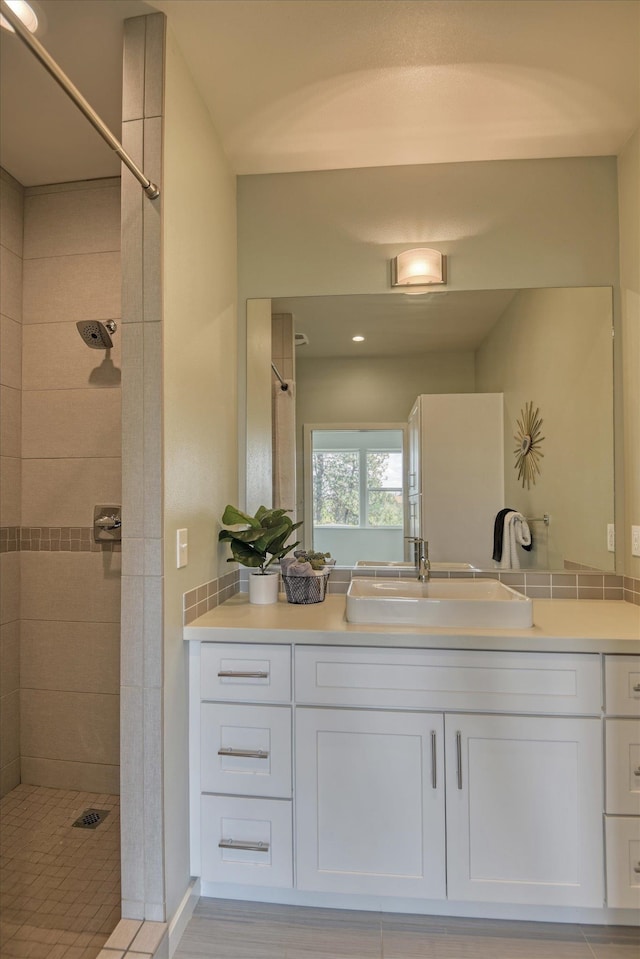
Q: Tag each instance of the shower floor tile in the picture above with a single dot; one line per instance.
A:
(59, 885)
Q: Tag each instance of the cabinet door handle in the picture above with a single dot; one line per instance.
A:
(459, 758)
(636, 772)
(237, 674)
(246, 846)
(243, 753)
(636, 688)
(434, 765)
(636, 868)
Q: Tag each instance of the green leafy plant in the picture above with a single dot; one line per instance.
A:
(262, 541)
(315, 559)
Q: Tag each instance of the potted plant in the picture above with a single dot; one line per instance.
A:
(261, 541)
(306, 575)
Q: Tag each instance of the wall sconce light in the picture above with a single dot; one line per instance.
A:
(418, 268)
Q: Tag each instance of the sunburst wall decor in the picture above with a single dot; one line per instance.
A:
(527, 452)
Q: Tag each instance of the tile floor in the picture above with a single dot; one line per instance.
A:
(234, 930)
(59, 886)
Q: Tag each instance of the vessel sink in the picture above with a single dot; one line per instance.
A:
(468, 603)
(436, 567)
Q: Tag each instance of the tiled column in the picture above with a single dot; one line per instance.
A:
(142, 581)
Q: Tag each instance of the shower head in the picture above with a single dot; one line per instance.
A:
(96, 334)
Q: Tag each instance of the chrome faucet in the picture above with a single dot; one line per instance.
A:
(421, 557)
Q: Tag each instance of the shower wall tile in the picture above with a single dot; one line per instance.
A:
(152, 225)
(133, 484)
(72, 221)
(11, 213)
(10, 421)
(152, 439)
(132, 237)
(9, 728)
(69, 726)
(79, 587)
(63, 492)
(63, 423)
(154, 55)
(10, 352)
(11, 285)
(61, 774)
(9, 658)
(9, 587)
(133, 69)
(9, 777)
(131, 625)
(76, 657)
(132, 810)
(70, 288)
(56, 358)
(9, 491)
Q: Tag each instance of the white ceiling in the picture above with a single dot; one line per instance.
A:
(399, 324)
(324, 84)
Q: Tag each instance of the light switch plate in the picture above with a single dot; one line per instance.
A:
(611, 537)
(182, 548)
(635, 540)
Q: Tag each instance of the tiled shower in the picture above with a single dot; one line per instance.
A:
(61, 456)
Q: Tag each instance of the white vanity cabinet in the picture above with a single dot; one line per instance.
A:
(416, 775)
(622, 757)
(370, 815)
(524, 810)
(240, 749)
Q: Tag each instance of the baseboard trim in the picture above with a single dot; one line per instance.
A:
(182, 915)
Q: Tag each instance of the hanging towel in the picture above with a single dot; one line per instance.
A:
(284, 447)
(516, 533)
(498, 530)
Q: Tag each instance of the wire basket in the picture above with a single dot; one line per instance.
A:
(306, 589)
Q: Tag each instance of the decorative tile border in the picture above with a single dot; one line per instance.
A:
(200, 600)
(52, 539)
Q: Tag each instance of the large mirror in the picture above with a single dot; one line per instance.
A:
(548, 347)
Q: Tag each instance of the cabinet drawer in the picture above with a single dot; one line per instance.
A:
(623, 862)
(448, 679)
(245, 750)
(622, 685)
(247, 841)
(246, 673)
(623, 766)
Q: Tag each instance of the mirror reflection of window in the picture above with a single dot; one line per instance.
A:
(356, 492)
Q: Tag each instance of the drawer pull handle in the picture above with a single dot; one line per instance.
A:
(243, 753)
(236, 674)
(245, 846)
(434, 765)
(636, 868)
(636, 688)
(636, 772)
(459, 758)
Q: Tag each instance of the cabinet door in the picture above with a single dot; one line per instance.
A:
(524, 805)
(370, 802)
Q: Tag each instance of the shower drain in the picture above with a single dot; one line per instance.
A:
(91, 818)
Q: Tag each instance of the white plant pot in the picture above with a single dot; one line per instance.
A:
(263, 588)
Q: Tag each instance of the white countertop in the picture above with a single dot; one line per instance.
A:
(560, 625)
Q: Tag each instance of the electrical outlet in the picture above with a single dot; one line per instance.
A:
(182, 548)
(635, 540)
(611, 537)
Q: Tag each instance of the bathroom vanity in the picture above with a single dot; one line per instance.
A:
(444, 771)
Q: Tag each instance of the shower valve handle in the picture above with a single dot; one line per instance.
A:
(108, 522)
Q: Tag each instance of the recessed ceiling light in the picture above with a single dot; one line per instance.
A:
(357, 339)
(24, 12)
